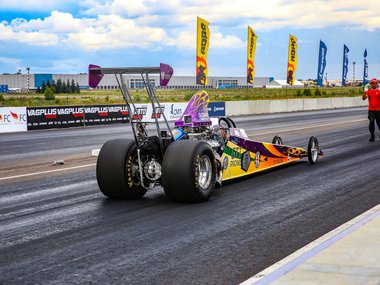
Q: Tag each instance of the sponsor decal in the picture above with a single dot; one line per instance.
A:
(139, 113)
(14, 115)
(225, 163)
(175, 111)
(235, 162)
(245, 161)
(159, 112)
(257, 159)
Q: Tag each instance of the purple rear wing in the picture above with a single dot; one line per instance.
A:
(96, 73)
(166, 72)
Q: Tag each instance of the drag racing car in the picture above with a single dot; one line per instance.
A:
(188, 159)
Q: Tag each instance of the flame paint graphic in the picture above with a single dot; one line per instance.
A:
(200, 100)
(14, 115)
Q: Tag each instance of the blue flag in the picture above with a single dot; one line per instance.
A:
(321, 63)
(365, 73)
(345, 65)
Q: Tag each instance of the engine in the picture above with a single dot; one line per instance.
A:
(213, 135)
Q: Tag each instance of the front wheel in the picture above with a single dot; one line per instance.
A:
(117, 170)
(189, 171)
(277, 140)
(313, 150)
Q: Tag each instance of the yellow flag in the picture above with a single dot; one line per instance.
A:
(251, 50)
(292, 60)
(203, 40)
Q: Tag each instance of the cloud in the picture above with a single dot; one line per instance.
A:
(7, 33)
(35, 5)
(115, 32)
(57, 22)
(187, 40)
(154, 24)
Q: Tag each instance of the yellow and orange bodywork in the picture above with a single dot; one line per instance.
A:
(244, 156)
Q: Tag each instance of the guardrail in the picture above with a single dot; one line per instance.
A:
(18, 119)
(234, 108)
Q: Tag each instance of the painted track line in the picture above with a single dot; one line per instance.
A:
(48, 171)
(290, 262)
(305, 128)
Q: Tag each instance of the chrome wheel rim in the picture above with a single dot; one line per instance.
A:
(314, 150)
(204, 169)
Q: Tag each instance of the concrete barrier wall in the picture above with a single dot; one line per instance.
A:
(291, 105)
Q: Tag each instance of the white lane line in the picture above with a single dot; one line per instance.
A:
(305, 128)
(48, 171)
(290, 262)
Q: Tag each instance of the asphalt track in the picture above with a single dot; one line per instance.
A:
(57, 228)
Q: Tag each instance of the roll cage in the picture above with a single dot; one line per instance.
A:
(165, 71)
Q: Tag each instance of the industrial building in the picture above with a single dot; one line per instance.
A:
(24, 82)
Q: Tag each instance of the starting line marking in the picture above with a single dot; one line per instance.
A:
(290, 262)
(48, 171)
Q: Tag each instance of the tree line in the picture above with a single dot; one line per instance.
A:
(59, 87)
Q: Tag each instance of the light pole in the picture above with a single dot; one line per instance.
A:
(28, 77)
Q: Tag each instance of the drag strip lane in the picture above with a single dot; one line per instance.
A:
(60, 229)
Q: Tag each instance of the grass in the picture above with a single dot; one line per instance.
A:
(93, 97)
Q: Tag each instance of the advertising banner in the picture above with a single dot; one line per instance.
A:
(251, 50)
(217, 109)
(292, 60)
(74, 116)
(13, 119)
(321, 63)
(345, 65)
(203, 41)
(174, 111)
(365, 73)
(36, 118)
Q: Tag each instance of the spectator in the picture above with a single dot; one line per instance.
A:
(373, 95)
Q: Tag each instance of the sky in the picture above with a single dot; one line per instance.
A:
(56, 36)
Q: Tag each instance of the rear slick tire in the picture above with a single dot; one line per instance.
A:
(116, 170)
(189, 171)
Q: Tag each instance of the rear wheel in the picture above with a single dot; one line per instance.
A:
(117, 170)
(191, 178)
(313, 150)
(277, 140)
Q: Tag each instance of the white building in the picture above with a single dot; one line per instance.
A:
(32, 81)
(283, 84)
